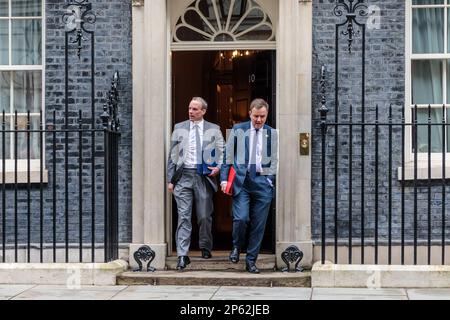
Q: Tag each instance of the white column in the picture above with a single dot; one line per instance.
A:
(138, 124)
(294, 117)
(149, 114)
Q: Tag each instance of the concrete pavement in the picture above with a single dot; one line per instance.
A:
(62, 292)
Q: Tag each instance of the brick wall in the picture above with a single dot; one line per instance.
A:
(385, 84)
(112, 52)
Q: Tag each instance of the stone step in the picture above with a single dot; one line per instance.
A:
(220, 262)
(216, 278)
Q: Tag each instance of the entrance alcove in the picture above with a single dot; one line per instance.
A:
(204, 32)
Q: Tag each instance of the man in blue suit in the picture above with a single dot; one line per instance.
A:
(252, 150)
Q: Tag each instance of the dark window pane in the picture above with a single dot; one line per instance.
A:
(428, 30)
(239, 8)
(263, 32)
(208, 10)
(186, 34)
(211, 20)
(26, 8)
(448, 81)
(6, 136)
(27, 91)
(195, 28)
(427, 82)
(448, 131)
(27, 42)
(5, 91)
(4, 8)
(436, 131)
(4, 43)
(448, 31)
(420, 2)
(22, 138)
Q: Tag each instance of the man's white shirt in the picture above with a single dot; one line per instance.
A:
(191, 157)
(258, 147)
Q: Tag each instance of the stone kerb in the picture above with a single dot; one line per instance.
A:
(379, 276)
(71, 274)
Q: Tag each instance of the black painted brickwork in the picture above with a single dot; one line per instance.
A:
(112, 52)
(385, 84)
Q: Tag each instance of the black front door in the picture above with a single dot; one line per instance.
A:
(262, 85)
(228, 82)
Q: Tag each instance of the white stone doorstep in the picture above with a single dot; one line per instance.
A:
(379, 276)
(70, 274)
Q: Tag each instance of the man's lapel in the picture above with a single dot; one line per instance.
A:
(266, 144)
(205, 129)
(187, 125)
(184, 143)
(265, 139)
(206, 140)
(247, 128)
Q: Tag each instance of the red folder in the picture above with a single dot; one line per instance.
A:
(231, 176)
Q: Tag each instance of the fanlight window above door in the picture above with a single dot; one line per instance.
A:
(224, 21)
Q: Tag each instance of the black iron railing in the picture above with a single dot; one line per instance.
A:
(350, 28)
(48, 206)
(378, 190)
(417, 205)
(111, 125)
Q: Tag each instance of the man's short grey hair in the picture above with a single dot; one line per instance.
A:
(202, 101)
(259, 103)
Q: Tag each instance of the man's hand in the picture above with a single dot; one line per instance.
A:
(224, 185)
(215, 171)
(170, 187)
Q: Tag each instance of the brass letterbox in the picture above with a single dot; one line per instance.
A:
(304, 144)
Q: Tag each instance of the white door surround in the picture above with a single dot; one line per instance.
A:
(153, 22)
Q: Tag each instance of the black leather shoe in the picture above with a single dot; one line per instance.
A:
(234, 255)
(183, 261)
(251, 267)
(206, 254)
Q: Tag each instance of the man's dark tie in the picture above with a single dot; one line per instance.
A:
(198, 149)
(253, 155)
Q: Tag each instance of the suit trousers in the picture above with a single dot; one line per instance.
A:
(250, 210)
(191, 188)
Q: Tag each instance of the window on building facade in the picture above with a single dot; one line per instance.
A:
(224, 21)
(430, 68)
(21, 72)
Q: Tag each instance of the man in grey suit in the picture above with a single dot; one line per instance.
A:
(195, 157)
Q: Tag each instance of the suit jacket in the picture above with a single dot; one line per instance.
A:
(237, 154)
(212, 151)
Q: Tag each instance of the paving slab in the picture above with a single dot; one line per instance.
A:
(60, 292)
(169, 292)
(9, 291)
(380, 276)
(357, 297)
(258, 293)
(364, 291)
(428, 294)
(166, 293)
(358, 294)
